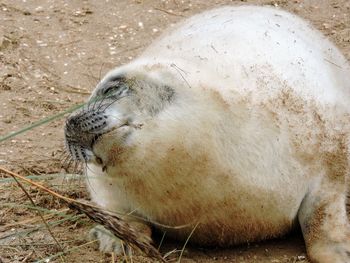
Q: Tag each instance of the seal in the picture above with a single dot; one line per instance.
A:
(235, 124)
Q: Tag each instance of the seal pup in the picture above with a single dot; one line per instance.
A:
(237, 122)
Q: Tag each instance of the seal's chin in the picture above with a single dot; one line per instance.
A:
(105, 148)
(99, 162)
(97, 157)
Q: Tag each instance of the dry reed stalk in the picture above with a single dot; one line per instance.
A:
(110, 221)
(29, 221)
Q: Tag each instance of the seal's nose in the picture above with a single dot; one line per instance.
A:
(82, 130)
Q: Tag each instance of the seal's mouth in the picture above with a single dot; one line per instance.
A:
(82, 145)
(89, 136)
(82, 131)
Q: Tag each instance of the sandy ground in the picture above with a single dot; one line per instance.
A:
(52, 53)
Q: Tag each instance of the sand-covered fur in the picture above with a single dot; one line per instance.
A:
(237, 122)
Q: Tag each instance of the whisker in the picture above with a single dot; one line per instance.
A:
(69, 163)
(75, 167)
(63, 156)
(66, 156)
(98, 99)
(105, 97)
(65, 160)
(88, 179)
(109, 104)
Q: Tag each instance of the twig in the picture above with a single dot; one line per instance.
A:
(124, 252)
(168, 12)
(37, 244)
(55, 223)
(188, 238)
(119, 228)
(30, 220)
(61, 253)
(45, 189)
(161, 241)
(173, 65)
(110, 220)
(28, 256)
(71, 89)
(331, 62)
(41, 216)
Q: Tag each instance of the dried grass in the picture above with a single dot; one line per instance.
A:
(110, 221)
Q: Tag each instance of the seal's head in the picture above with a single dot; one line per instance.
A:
(118, 106)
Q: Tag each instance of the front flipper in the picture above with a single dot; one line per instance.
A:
(110, 243)
(324, 223)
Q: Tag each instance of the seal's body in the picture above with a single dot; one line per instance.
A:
(237, 121)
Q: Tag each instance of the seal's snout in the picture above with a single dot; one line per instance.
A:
(82, 130)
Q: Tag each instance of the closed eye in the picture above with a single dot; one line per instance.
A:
(112, 86)
(115, 89)
(108, 91)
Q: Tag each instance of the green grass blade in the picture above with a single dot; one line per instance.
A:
(41, 122)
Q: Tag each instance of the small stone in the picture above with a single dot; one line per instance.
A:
(326, 25)
(8, 120)
(301, 258)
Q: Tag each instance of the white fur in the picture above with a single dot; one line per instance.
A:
(234, 168)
